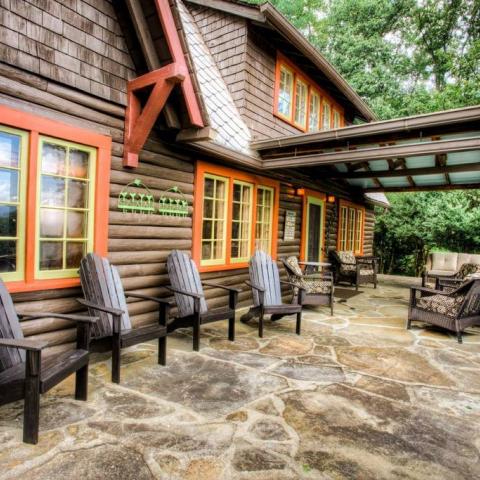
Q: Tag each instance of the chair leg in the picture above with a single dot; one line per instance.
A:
(162, 350)
(409, 324)
(260, 325)
(196, 334)
(116, 351)
(299, 323)
(459, 337)
(81, 383)
(231, 328)
(31, 407)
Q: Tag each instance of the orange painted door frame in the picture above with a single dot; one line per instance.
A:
(305, 223)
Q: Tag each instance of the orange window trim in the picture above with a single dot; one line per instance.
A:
(36, 126)
(304, 233)
(311, 85)
(346, 203)
(231, 174)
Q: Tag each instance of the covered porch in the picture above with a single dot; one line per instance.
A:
(356, 396)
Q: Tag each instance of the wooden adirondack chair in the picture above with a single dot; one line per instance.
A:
(193, 310)
(25, 374)
(104, 295)
(267, 295)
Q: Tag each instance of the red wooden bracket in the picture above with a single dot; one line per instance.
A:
(138, 122)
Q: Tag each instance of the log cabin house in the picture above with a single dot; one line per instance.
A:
(188, 99)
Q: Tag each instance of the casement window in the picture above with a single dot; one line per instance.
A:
(300, 102)
(234, 213)
(314, 112)
(285, 92)
(350, 227)
(326, 114)
(54, 182)
(301, 95)
(337, 122)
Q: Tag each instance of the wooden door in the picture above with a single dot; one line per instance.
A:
(315, 218)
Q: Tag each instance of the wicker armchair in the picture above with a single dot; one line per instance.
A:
(354, 270)
(455, 310)
(451, 282)
(318, 287)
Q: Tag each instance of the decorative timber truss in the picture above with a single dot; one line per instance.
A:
(161, 80)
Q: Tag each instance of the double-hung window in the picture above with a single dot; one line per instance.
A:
(54, 183)
(350, 227)
(234, 214)
(300, 102)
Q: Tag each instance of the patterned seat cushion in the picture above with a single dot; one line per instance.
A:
(366, 271)
(467, 269)
(293, 264)
(443, 304)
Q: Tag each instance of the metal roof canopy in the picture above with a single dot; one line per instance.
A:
(437, 151)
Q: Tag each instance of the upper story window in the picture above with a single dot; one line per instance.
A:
(234, 214)
(53, 200)
(351, 227)
(301, 102)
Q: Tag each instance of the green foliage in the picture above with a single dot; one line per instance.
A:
(418, 223)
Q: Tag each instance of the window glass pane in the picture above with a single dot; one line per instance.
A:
(8, 221)
(76, 224)
(51, 255)
(301, 91)
(75, 253)
(54, 159)
(77, 194)
(206, 250)
(336, 119)
(52, 191)
(51, 223)
(8, 185)
(358, 231)
(9, 150)
(314, 113)
(209, 187)
(285, 92)
(8, 256)
(78, 163)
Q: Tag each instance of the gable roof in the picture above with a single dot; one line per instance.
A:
(268, 15)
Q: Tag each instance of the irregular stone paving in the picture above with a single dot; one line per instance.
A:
(355, 397)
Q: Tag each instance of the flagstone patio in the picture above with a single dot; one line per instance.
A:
(356, 396)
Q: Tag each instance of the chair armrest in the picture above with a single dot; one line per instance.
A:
(253, 285)
(72, 318)
(24, 344)
(367, 257)
(429, 290)
(147, 297)
(347, 263)
(100, 308)
(224, 287)
(292, 284)
(184, 292)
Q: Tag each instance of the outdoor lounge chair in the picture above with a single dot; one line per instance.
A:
(193, 310)
(356, 270)
(105, 296)
(25, 373)
(318, 287)
(455, 310)
(267, 295)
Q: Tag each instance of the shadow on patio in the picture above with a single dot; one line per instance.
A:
(356, 396)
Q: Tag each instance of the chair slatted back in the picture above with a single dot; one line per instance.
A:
(9, 328)
(183, 274)
(101, 284)
(264, 273)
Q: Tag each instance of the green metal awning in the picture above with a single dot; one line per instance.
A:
(425, 152)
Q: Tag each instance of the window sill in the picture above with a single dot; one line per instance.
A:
(37, 285)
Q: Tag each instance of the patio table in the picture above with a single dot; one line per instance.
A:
(311, 267)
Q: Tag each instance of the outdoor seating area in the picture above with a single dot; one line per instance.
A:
(351, 396)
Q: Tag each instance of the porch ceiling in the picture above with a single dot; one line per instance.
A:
(427, 152)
